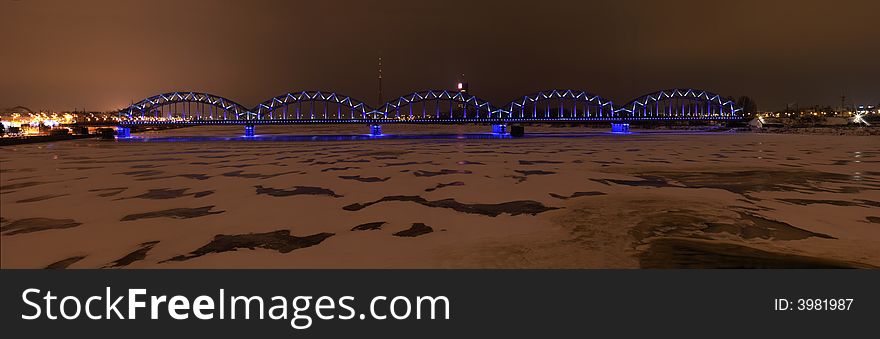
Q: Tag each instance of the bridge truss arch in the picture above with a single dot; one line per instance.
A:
(289, 106)
(183, 106)
(437, 105)
(582, 105)
(681, 104)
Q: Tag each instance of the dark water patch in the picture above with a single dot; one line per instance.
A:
(239, 166)
(415, 230)
(145, 166)
(41, 198)
(647, 181)
(144, 173)
(386, 157)
(853, 189)
(422, 173)
(742, 182)
(297, 190)
(370, 226)
(338, 169)
(339, 161)
(30, 225)
(120, 161)
(576, 195)
(465, 162)
(64, 263)
(869, 203)
(79, 168)
(393, 164)
(241, 174)
(840, 162)
(208, 163)
(527, 173)
(442, 185)
(653, 161)
(161, 193)
(280, 241)
(109, 192)
(24, 178)
(21, 185)
(690, 253)
(875, 220)
(138, 255)
(805, 202)
(174, 213)
(195, 176)
(492, 210)
(538, 162)
(632, 149)
(12, 170)
(534, 172)
(202, 194)
(363, 179)
(219, 156)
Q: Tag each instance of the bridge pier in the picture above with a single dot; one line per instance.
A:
(499, 128)
(248, 130)
(123, 132)
(619, 127)
(375, 130)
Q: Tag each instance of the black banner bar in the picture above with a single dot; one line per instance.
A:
(487, 303)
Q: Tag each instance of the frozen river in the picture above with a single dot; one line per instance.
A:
(581, 199)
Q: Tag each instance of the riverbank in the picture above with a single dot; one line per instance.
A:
(825, 130)
(9, 141)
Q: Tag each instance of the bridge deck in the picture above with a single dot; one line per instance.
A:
(412, 121)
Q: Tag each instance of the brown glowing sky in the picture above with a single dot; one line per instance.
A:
(102, 54)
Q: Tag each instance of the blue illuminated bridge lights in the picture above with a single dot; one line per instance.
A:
(426, 107)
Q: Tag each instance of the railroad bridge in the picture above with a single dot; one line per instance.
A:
(426, 107)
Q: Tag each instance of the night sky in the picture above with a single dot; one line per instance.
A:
(101, 55)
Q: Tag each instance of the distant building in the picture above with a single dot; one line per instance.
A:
(867, 109)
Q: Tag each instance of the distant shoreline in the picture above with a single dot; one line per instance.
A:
(10, 141)
(824, 130)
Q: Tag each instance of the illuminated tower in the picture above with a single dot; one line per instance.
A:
(462, 85)
(379, 103)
